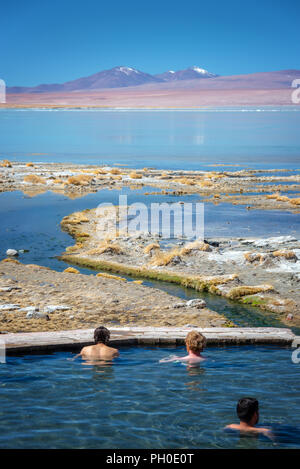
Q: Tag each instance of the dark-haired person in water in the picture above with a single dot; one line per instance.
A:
(100, 350)
(248, 412)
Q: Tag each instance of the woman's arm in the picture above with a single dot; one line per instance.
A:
(170, 358)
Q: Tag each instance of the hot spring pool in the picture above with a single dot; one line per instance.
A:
(48, 401)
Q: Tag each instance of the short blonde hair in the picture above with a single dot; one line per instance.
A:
(195, 341)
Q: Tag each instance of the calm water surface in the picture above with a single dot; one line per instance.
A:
(189, 139)
(50, 402)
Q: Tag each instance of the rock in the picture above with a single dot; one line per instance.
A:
(179, 305)
(53, 308)
(176, 260)
(5, 289)
(12, 252)
(8, 289)
(29, 309)
(37, 315)
(9, 307)
(71, 270)
(290, 317)
(296, 342)
(214, 244)
(196, 303)
(274, 241)
(247, 241)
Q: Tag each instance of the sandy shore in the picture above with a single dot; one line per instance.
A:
(56, 301)
(147, 97)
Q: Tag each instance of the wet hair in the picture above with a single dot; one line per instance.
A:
(246, 408)
(101, 335)
(195, 341)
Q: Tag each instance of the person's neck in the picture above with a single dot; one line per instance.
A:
(194, 354)
(245, 425)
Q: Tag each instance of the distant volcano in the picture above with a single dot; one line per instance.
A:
(117, 77)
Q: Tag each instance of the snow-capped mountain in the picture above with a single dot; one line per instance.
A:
(116, 77)
(191, 78)
(187, 74)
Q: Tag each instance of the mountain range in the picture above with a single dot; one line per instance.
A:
(117, 77)
(127, 87)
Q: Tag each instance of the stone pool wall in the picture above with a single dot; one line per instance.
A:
(75, 339)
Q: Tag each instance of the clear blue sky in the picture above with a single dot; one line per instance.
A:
(59, 40)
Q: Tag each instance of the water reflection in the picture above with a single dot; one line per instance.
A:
(168, 139)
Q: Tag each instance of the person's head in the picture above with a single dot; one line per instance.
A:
(247, 410)
(101, 335)
(195, 342)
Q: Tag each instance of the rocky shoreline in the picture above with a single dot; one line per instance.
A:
(255, 189)
(264, 273)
